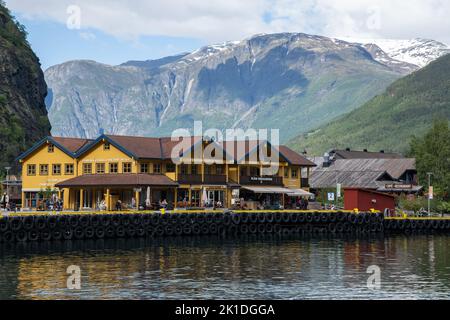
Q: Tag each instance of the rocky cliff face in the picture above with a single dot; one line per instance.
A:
(23, 116)
(292, 82)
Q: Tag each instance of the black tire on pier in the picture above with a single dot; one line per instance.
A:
(105, 221)
(278, 217)
(205, 229)
(120, 232)
(15, 224)
(261, 228)
(45, 235)
(141, 231)
(63, 221)
(67, 234)
(360, 219)
(442, 225)
(154, 219)
(28, 223)
(73, 221)
(178, 230)
(137, 219)
(57, 234)
(253, 218)
(125, 220)
(78, 233)
(116, 220)
(146, 220)
(301, 218)
(269, 228)
(52, 222)
(150, 231)
(4, 225)
(168, 230)
(100, 232)
(352, 218)
(269, 217)
(110, 232)
(200, 218)
(84, 220)
(308, 228)
(243, 229)
(227, 220)
(332, 218)
(261, 217)
(173, 219)
(21, 236)
(183, 219)
(159, 231)
(324, 217)
(213, 228)
(95, 220)
(209, 218)
(232, 230)
(341, 216)
(340, 227)
(196, 230)
(317, 217)
(245, 218)
(285, 217)
(236, 218)
(89, 232)
(187, 229)
(8, 236)
(277, 228)
(130, 231)
(33, 235)
(294, 217)
(41, 223)
(253, 228)
(332, 228)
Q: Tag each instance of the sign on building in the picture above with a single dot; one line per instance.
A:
(330, 196)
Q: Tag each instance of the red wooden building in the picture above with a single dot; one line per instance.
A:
(364, 200)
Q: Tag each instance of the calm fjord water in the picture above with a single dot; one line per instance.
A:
(262, 267)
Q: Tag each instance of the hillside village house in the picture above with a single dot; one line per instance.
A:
(140, 172)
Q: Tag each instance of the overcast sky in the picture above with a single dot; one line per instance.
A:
(114, 31)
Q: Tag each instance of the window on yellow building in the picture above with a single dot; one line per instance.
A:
(254, 172)
(56, 170)
(157, 168)
(184, 169)
(126, 167)
(43, 169)
(100, 168)
(31, 169)
(107, 146)
(51, 148)
(286, 172)
(69, 169)
(87, 168)
(170, 167)
(113, 168)
(144, 168)
(294, 173)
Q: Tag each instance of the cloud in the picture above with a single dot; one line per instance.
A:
(221, 20)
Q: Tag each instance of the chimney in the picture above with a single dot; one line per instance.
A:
(365, 150)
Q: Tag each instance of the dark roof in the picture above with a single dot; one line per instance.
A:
(351, 154)
(294, 158)
(72, 144)
(360, 173)
(137, 180)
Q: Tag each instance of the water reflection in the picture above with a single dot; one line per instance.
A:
(258, 267)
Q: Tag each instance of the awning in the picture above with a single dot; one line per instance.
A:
(119, 180)
(268, 190)
(300, 193)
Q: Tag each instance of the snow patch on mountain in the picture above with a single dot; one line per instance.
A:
(419, 52)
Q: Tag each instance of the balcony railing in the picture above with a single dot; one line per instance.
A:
(265, 181)
(190, 178)
(215, 179)
(305, 183)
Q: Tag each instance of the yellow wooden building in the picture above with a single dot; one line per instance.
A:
(142, 172)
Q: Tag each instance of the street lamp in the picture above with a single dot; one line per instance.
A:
(429, 174)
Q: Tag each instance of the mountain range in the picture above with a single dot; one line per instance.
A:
(290, 81)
